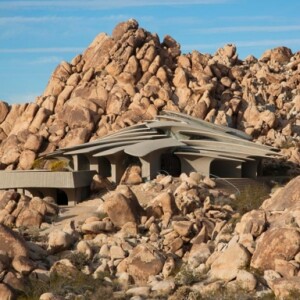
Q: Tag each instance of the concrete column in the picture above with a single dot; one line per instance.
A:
(75, 162)
(93, 163)
(72, 195)
(117, 166)
(151, 164)
(146, 168)
(193, 163)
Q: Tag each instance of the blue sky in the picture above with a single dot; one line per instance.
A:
(36, 35)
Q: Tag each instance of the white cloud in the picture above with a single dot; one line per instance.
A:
(94, 4)
(236, 29)
(54, 19)
(42, 50)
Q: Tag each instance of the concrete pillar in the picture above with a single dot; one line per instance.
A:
(73, 197)
(151, 164)
(194, 163)
(94, 166)
(75, 162)
(117, 166)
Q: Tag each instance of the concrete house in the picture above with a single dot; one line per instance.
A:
(172, 143)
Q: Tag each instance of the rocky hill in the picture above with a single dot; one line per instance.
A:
(169, 238)
(130, 76)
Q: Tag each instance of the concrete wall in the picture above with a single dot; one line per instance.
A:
(44, 179)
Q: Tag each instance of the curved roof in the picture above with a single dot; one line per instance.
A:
(183, 134)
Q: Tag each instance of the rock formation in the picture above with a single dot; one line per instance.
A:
(132, 75)
(169, 238)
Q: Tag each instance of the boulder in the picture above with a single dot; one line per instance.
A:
(36, 203)
(199, 254)
(23, 265)
(144, 261)
(59, 240)
(286, 198)
(6, 293)
(84, 248)
(4, 109)
(253, 222)
(132, 175)
(51, 296)
(6, 196)
(281, 243)
(97, 227)
(75, 137)
(12, 243)
(26, 159)
(123, 27)
(121, 209)
(227, 265)
(246, 280)
(284, 288)
(183, 228)
(77, 116)
(29, 218)
(64, 268)
(33, 142)
(166, 202)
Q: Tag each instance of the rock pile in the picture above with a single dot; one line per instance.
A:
(131, 75)
(22, 211)
(187, 240)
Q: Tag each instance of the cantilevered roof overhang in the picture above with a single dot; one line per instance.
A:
(178, 133)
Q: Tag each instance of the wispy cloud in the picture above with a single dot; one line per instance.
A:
(45, 60)
(249, 18)
(270, 43)
(244, 44)
(239, 29)
(94, 4)
(54, 19)
(42, 50)
(44, 19)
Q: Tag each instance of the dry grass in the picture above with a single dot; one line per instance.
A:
(250, 198)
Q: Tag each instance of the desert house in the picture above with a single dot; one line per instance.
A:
(170, 144)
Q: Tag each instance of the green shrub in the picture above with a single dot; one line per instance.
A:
(187, 276)
(78, 259)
